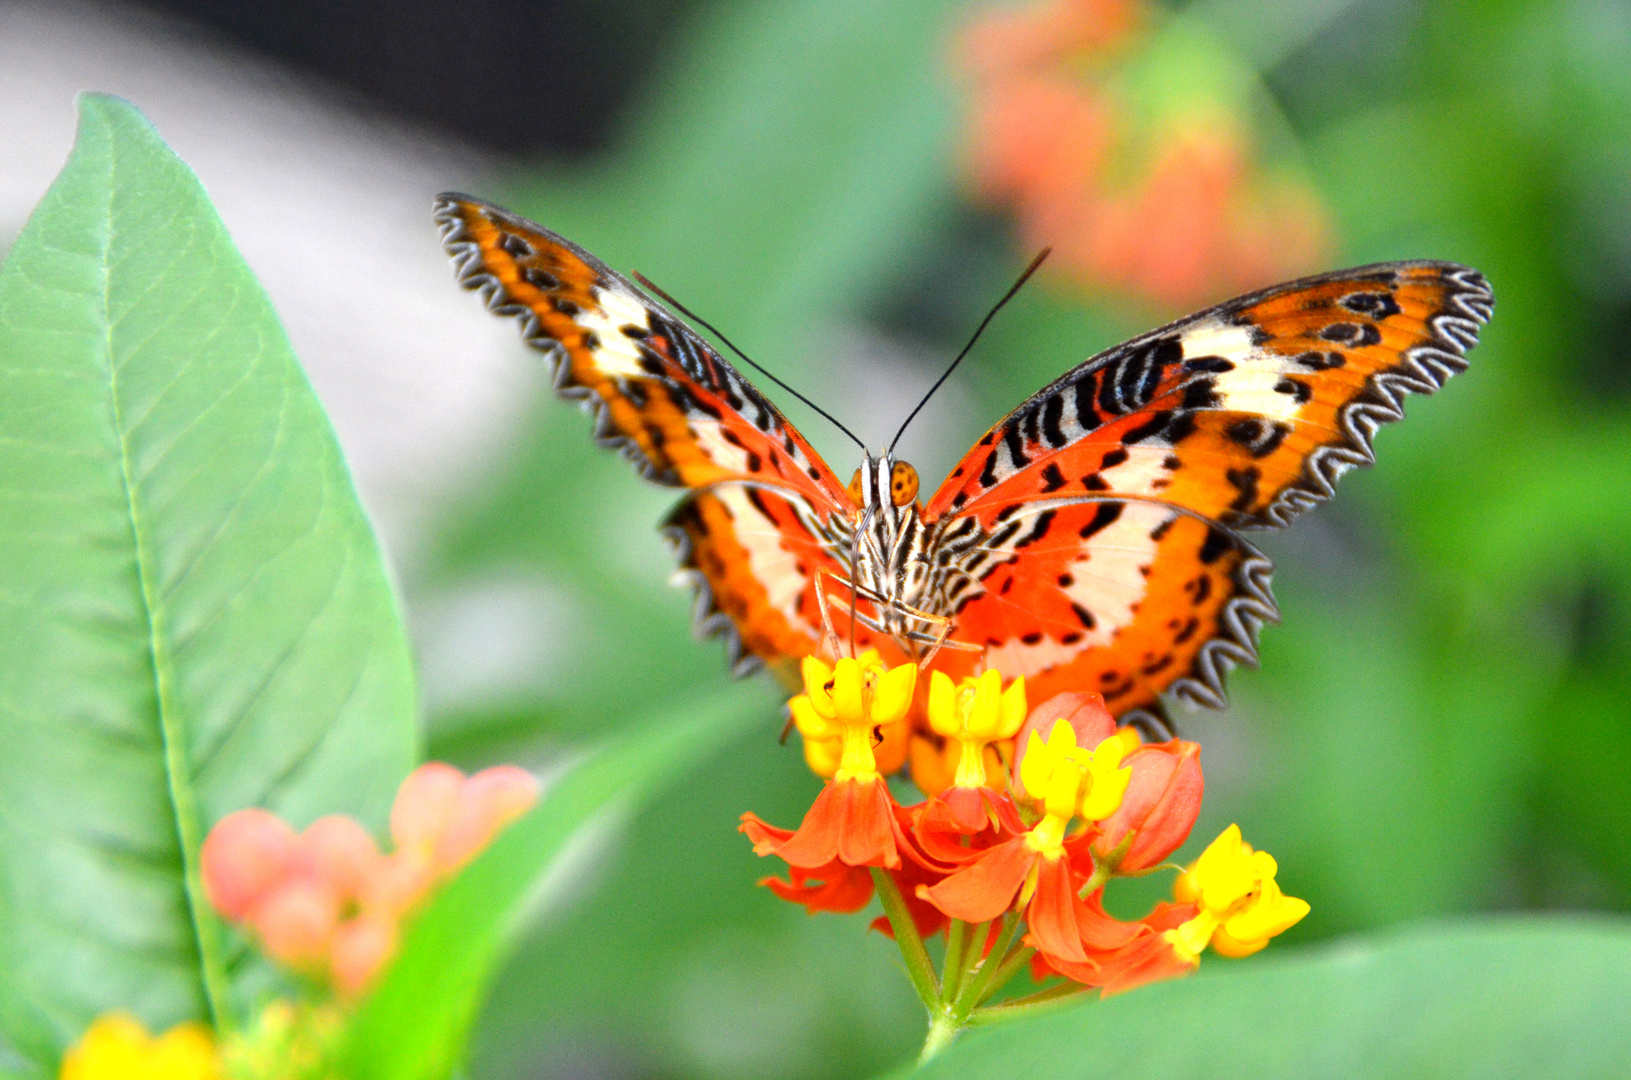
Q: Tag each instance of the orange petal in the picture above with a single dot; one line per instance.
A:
(987, 888)
(1052, 913)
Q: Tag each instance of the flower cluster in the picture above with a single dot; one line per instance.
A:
(1085, 121)
(1009, 857)
(326, 902)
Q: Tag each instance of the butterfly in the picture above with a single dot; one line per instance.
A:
(1092, 539)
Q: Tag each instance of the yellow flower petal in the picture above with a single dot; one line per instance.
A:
(1013, 710)
(816, 677)
(848, 695)
(1110, 781)
(823, 756)
(1036, 767)
(811, 724)
(893, 694)
(942, 704)
(1233, 948)
(1270, 914)
(984, 711)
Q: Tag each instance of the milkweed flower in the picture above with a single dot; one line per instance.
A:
(1033, 869)
(1240, 906)
(117, 1047)
(978, 720)
(1028, 817)
(855, 821)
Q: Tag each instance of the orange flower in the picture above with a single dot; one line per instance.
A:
(1034, 868)
(854, 820)
(1140, 186)
(1120, 956)
(1162, 801)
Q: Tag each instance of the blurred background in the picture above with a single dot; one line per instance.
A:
(1441, 724)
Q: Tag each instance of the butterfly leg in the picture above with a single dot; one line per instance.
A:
(829, 636)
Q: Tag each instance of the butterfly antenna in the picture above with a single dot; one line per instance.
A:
(992, 314)
(700, 321)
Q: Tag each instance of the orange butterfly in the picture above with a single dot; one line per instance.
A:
(1091, 540)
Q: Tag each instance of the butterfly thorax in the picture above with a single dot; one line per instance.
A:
(889, 557)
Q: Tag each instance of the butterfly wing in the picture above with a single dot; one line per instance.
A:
(1099, 522)
(764, 511)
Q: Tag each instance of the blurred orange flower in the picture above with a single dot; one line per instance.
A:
(1149, 193)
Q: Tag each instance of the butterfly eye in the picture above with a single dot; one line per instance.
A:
(855, 487)
(902, 483)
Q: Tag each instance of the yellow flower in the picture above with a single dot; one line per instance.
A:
(847, 708)
(976, 713)
(1241, 905)
(117, 1047)
(1069, 780)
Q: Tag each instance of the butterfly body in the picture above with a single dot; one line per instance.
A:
(1091, 539)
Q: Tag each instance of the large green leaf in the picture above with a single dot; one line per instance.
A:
(1532, 998)
(193, 611)
(414, 1025)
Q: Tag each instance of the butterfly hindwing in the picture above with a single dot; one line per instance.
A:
(1239, 417)
(685, 417)
(752, 556)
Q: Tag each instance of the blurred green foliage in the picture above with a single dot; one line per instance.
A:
(1441, 723)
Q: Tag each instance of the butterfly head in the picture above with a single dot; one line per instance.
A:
(886, 475)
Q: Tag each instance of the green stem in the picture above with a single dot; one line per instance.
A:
(943, 1031)
(1042, 1001)
(974, 991)
(951, 974)
(918, 967)
(1006, 970)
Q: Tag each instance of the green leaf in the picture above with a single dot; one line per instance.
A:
(194, 613)
(414, 1025)
(1532, 998)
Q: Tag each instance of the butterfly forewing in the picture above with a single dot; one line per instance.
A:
(681, 413)
(1115, 494)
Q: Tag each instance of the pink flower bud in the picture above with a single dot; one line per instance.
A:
(487, 802)
(243, 857)
(296, 923)
(1160, 806)
(362, 947)
(337, 851)
(425, 804)
(506, 791)
(1084, 712)
(396, 883)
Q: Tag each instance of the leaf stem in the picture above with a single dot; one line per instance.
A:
(918, 967)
